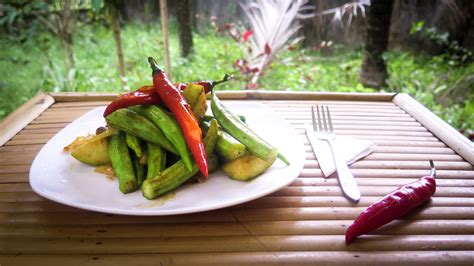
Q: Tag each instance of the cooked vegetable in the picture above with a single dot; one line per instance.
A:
(211, 136)
(173, 99)
(248, 166)
(121, 163)
(227, 146)
(213, 162)
(208, 85)
(170, 128)
(134, 144)
(196, 97)
(137, 125)
(156, 158)
(144, 95)
(90, 138)
(393, 206)
(177, 174)
(148, 95)
(167, 180)
(93, 153)
(192, 93)
(209, 117)
(139, 169)
(239, 130)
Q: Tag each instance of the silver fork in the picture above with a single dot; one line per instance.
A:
(323, 129)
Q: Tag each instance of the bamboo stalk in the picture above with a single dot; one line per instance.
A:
(33, 205)
(388, 258)
(374, 181)
(232, 229)
(23, 116)
(441, 129)
(394, 173)
(366, 190)
(238, 244)
(345, 213)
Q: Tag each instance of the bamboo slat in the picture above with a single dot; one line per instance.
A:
(301, 224)
(445, 132)
(395, 258)
(23, 115)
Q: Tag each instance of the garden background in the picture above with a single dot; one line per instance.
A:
(102, 46)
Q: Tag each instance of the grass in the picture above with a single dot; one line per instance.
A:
(36, 64)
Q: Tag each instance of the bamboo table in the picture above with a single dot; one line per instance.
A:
(303, 223)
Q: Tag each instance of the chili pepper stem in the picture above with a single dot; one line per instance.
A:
(154, 66)
(227, 77)
(433, 169)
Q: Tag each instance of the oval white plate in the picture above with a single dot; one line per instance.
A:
(57, 176)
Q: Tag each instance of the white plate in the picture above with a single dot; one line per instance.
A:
(57, 176)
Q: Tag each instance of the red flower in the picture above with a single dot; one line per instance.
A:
(246, 35)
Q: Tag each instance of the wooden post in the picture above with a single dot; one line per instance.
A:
(115, 22)
(164, 29)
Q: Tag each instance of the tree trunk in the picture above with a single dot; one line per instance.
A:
(66, 27)
(115, 23)
(164, 29)
(184, 27)
(66, 42)
(374, 71)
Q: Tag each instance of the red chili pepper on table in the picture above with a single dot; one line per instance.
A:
(393, 206)
(144, 95)
(181, 110)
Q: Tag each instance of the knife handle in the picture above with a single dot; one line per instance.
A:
(345, 177)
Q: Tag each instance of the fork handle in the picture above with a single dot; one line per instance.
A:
(345, 177)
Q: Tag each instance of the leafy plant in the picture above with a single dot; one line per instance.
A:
(453, 52)
(273, 28)
(37, 64)
(272, 23)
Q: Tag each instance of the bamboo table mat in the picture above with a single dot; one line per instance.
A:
(303, 223)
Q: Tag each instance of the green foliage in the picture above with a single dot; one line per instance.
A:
(447, 91)
(453, 53)
(37, 64)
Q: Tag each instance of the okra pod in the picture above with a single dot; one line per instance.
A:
(139, 169)
(213, 162)
(138, 125)
(156, 158)
(175, 175)
(122, 163)
(239, 130)
(227, 146)
(210, 117)
(134, 144)
(170, 128)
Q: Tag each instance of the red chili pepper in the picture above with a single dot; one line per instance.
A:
(393, 206)
(143, 95)
(181, 110)
(208, 85)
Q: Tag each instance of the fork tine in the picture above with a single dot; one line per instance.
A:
(320, 125)
(324, 119)
(329, 119)
(313, 119)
